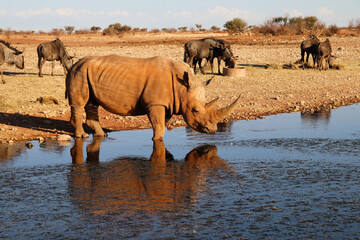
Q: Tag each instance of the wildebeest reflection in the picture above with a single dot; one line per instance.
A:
(128, 184)
(312, 119)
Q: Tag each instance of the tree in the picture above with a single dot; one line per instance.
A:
(198, 26)
(214, 28)
(95, 29)
(69, 29)
(284, 21)
(116, 28)
(182, 29)
(236, 25)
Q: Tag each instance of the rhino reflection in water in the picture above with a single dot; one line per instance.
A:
(126, 185)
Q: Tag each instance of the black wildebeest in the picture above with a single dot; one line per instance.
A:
(309, 46)
(208, 48)
(53, 51)
(10, 55)
(324, 52)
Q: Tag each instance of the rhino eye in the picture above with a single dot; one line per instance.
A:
(195, 111)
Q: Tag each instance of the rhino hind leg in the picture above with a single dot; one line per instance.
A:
(76, 121)
(92, 119)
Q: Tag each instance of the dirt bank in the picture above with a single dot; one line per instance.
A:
(264, 91)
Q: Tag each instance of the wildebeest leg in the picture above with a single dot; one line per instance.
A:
(302, 58)
(212, 65)
(92, 119)
(320, 63)
(52, 68)
(194, 61)
(76, 121)
(40, 65)
(307, 57)
(2, 76)
(156, 116)
(190, 61)
(219, 63)
(201, 68)
(314, 59)
(65, 72)
(326, 63)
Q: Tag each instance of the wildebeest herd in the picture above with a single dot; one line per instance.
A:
(158, 87)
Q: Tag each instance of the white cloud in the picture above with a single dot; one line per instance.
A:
(293, 13)
(181, 14)
(31, 13)
(66, 12)
(2, 12)
(230, 13)
(120, 13)
(323, 12)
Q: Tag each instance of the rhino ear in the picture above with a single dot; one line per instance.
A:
(185, 80)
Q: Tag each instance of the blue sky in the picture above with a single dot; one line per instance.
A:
(47, 14)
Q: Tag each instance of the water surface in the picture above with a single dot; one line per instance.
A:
(292, 176)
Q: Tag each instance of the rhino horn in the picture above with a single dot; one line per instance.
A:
(210, 105)
(219, 114)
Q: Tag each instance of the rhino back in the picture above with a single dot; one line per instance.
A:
(129, 86)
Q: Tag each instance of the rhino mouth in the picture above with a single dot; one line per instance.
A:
(208, 130)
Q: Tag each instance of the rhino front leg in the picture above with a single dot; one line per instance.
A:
(76, 121)
(156, 116)
(92, 119)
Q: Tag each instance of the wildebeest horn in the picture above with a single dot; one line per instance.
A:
(210, 105)
(205, 83)
(222, 113)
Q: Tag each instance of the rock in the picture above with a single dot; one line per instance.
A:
(29, 145)
(40, 139)
(47, 100)
(64, 137)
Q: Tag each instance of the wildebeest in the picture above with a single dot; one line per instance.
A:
(324, 52)
(208, 48)
(53, 51)
(159, 87)
(309, 46)
(10, 55)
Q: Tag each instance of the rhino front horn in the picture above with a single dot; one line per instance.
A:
(220, 114)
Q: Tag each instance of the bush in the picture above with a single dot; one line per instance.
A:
(182, 29)
(82, 31)
(116, 28)
(57, 31)
(69, 29)
(333, 29)
(155, 30)
(236, 25)
(214, 28)
(269, 27)
(95, 29)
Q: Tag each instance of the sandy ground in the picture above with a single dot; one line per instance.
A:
(264, 91)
